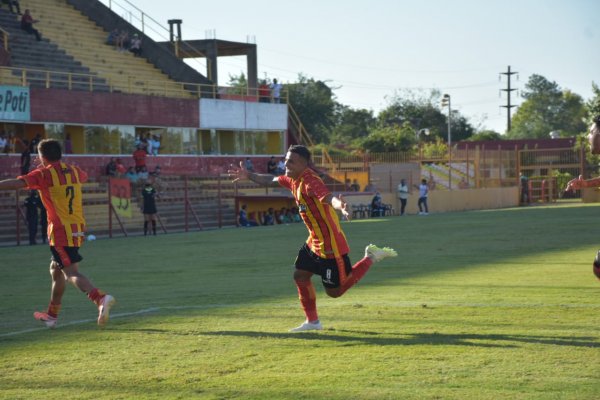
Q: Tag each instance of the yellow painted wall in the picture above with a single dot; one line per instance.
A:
(31, 130)
(451, 200)
(590, 195)
(274, 145)
(227, 142)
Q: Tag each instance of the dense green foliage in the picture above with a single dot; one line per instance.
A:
(547, 108)
(478, 305)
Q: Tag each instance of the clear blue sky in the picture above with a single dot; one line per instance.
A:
(371, 49)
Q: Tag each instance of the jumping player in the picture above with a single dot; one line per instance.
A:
(325, 253)
(579, 182)
(59, 185)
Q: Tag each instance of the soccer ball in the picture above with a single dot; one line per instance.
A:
(91, 238)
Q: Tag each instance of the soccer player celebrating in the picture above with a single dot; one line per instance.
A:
(580, 182)
(59, 185)
(325, 253)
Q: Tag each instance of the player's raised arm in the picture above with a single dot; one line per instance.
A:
(339, 203)
(242, 173)
(9, 184)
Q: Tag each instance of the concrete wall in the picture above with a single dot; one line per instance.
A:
(449, 200)
(460, 200)
(77, 107)
(229, 114)
(590, 195)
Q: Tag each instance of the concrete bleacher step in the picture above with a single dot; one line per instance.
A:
(84, 40)
(170, 207)
(27, 52)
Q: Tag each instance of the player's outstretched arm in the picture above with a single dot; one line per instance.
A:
(9, 184)
(339, 203)
(580, 183)
(242, 173)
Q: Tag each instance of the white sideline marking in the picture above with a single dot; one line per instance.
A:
(430, 304)
(81, 321)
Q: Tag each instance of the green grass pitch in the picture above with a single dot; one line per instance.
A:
(478, 305)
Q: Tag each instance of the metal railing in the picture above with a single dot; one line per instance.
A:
(154, 29)
(5, 37)
(130, 84)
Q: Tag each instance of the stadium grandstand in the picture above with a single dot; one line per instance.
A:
(102, 102)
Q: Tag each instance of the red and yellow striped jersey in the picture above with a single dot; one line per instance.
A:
(59, 185)
(326, 238)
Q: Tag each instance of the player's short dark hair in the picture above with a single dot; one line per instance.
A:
(301, 150)
(50, 149)
(596, 120)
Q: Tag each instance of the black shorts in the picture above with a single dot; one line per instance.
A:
(327, 268)
(150, 209)
(65, 256)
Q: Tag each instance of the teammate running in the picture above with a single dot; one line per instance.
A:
(59, 185)
(325, 253)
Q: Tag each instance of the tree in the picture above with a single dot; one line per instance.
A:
(239, 83)
(593, 104)
(421, 110)
(315, 104)
(389, 138)
(351, 124)
(547, 108)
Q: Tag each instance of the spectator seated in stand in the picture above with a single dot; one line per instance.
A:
(123, 41)
(377, 207)
(139, 157)
(156, 172)
(243, 219)
(296, 215)
(27, 22)
(121, 170)
(272, 166)
(143, 175)
(281, 166)
(249, 165)
(112, 37)
(153, 145)
(111, 167)
(269, 217)
(284, 216)
(355, 186)
(135, 45)
(132, 175)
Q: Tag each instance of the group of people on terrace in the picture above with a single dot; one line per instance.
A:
(269, 93)
(123, 41)
(269, 217)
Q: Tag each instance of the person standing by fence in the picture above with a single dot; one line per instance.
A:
(402, 195)
(423, 194)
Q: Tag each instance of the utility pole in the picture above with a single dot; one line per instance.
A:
(508, 89)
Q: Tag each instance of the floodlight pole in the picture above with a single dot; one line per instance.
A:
(447, 101)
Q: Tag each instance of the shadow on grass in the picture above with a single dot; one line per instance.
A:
(432, 339)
